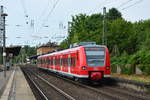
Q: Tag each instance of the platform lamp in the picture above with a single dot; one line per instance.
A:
(3, 15)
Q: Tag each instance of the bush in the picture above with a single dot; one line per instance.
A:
(141, 58)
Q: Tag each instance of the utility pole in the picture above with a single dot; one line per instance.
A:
(3, 15)
(69, 26)
(104, 26)
(1, 39)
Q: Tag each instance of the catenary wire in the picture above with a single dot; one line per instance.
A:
(49, 14)
(137, 2)
(124, 3)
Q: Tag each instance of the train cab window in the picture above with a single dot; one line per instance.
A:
(95, 56)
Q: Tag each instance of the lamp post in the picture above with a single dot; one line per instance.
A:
(3, 15)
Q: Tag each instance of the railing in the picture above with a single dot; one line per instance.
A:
(130, 68)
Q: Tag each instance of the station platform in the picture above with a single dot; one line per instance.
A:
(15, 86)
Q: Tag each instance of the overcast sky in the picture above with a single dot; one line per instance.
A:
(37, 21)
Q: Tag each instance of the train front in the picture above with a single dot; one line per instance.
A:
(98, 62)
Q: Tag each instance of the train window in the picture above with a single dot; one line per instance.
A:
(54, 62)
(57, 61)
(45, 61)
(63, 61)
(41, 61)
(66, 62)
(69, 61)
(74, 61)
(60, 61)
(49, 61)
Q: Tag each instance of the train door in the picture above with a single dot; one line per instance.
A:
(73, 62)
(69, 63)
(61, 63)
(77, 62)
(54, 63)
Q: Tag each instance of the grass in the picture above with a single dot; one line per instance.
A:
(140, 78)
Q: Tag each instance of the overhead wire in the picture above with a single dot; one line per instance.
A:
(137, 2)
(124, 3)
(25, 11)
(43, 13)
(98, 6)
(51, 11)
(49, 14)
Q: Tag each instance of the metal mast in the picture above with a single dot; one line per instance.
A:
(104, 26)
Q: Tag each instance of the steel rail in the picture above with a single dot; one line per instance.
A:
(91, 88)
(128, 93)
(40, 91)
(106, 93)
(54, 87)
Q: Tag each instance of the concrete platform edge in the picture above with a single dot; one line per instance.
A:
(3, 88)
(7, 89)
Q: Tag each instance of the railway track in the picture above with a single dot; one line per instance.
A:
(105, 90)
(43, 87)
(109, 92)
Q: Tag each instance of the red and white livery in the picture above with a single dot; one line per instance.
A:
(86, 62)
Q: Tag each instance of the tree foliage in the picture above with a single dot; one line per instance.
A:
(122, 36)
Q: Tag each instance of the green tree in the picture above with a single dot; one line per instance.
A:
(113, 14)
(120, 33)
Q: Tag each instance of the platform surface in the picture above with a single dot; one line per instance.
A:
(4, 80)
(17, 87)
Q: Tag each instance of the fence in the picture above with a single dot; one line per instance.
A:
(130, 69)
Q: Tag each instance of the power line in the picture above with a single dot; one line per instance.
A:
(49, 14)
(51, 11)
(43, 12)
(124, 3)
(25, 11)
(101, 4)
(139, 1)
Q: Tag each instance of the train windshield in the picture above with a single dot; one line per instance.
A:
(95, 56)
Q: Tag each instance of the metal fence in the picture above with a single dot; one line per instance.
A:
(130, 69)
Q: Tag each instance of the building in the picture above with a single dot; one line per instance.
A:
(49, 47)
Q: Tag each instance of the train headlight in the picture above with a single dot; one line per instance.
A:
(107, 67)
(84, 67)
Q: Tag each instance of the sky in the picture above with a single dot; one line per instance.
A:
(33, 22)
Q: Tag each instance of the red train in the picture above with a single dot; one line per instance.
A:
(89, 61)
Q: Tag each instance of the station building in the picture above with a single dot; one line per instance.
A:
(47, 48)
(44, 49)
